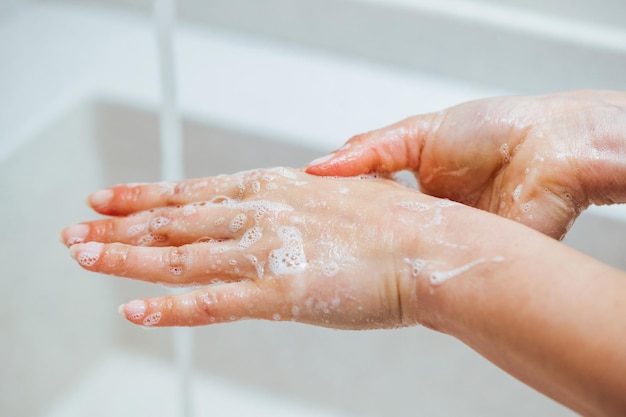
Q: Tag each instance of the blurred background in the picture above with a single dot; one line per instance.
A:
(261, 83)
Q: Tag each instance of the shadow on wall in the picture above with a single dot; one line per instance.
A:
(128, 141)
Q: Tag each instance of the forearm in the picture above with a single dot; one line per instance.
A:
(548, 315)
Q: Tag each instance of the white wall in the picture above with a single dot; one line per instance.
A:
(528, 46)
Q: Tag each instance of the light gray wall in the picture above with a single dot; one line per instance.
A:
(414, 35)
(9, 6)
(602, 12)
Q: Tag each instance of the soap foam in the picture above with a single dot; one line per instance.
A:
(189, 210)
(237, 223)
(250, 237)
(289, 258)
(330, 269)
(135, 229)
(87, 259)
(159, 222)
(259, 266)
(152, 319)
(147, 240)
(517, 192)
(417, 265)
(439, 277)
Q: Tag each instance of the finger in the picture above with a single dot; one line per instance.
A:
(196, 264)
(216, 304)
(130, 198)
(164, 227)
(390, 149)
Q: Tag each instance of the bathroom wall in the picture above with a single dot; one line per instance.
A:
(8, 6)
(522, 46)
(603, 12)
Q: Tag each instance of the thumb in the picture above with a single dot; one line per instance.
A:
(390, 149)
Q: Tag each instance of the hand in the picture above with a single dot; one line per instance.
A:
(366, 253)
(537, 160)
(284, 244)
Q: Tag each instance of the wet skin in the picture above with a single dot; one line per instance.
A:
(538, 160)
(369, 253)
(288, 245)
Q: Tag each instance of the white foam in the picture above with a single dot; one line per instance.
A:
(260, 208)
(283, 172)
(414, 206)
(176, 270)
(159, 222)
(238, 222)
(330, 269)
(199, 185)
(250, 237)
(136, 316)
(147, 240)
(167, 187)
(447, 203)
(135, 229)
(259, 266)
(439, 277)
(289, 258)
(152, 319)
(517, 192)
(504, 151)
(87, 258)
(189, 209)
(417, 265)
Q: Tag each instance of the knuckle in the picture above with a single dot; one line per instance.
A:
(158, 222)
(359, 139)
(133, 197)
(177, 261)
(206, 303)
(178, 194)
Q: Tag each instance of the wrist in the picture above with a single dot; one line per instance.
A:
(444, 275)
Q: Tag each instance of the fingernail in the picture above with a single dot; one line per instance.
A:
(101, 198)
(87, 254)
(322, 159)
(74, 234)
(133, 310)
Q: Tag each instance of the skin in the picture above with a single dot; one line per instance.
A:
(555, 322)
(564, 152)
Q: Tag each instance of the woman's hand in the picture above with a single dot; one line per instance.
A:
(537, 160)
(286, 245)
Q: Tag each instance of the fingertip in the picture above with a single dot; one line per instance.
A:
(325, 165)
(323, 159)
(100, 200)
(75, 234)
(318, 166)
(87, 254)
(134, 311)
